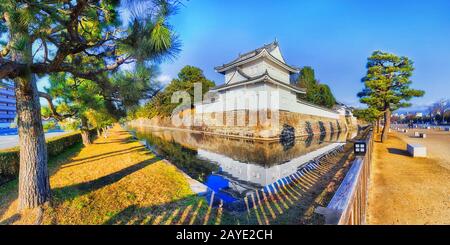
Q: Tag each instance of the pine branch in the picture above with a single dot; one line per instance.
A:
(10, 69)
(52, 107)
(43, 68)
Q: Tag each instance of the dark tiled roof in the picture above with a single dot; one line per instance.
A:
(256, 78)
(242, 57)
(269, 47)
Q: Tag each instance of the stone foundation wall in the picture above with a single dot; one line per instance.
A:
(307, 124)
(237, 123)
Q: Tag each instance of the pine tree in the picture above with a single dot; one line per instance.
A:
(84, 38)
(76, 97)
(307, 77)
(387, 85)
(369, 115)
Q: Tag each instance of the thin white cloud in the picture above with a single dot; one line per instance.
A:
(127, 67)
(164, 79)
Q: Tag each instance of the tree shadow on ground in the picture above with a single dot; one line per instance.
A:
(106, 154)
(8, 191)
(70, 192)
(292, 203)
(11, 219)
(398, 151)
(102, 156)
(109, 142)
(193, 210)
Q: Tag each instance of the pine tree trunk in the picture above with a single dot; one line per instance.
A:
(34, 187)
(85, 131)
(387, 125)
(105, 132)
(378, 125)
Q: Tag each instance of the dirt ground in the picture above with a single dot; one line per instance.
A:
(437, 143)
(406, 190)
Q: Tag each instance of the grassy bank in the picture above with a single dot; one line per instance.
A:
(103, 183)
(9, 158)
(8, 191)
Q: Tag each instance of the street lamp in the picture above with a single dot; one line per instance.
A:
(360, 148)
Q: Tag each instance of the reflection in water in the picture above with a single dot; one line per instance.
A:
(287, 137)
(234, 168)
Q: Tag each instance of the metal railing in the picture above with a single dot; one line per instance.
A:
(349, 204)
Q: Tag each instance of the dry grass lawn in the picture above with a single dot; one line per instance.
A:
(406, 190)
(114, 180)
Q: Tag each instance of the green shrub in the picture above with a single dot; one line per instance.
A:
(49, 125)
(58, 144)
(9, 164)
(70, 124)
(9, 158)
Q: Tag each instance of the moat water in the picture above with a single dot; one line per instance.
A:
(232, 168)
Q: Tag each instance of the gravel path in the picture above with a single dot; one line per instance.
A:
(406, 190)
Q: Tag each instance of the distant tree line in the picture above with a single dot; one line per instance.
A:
(437, 113)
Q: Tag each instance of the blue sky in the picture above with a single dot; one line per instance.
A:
(334, 37)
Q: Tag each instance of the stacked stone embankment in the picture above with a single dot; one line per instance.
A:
(239, 124)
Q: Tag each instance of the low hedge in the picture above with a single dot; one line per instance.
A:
(58, 144)
(9, 158)
(9, 164)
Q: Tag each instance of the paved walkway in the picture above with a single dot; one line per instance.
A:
(10, 141)
(406, 190)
